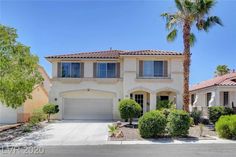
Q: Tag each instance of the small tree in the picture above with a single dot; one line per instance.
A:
(18, 69)
(50, 109)
(129, 109)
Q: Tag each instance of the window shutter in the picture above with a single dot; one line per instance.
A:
(59, 69)
(94, 70)
(140, 68)
(81, 70)
(165, 66)
(118, 70)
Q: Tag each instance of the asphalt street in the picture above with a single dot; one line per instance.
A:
(163, 150)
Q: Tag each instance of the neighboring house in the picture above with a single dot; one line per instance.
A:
(90, 85)
(39, 98)
(219, 91)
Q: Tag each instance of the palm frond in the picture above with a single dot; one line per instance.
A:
(172, 35)
(171, 23)
(200, 24)
(179, 5)
(188, 6)
(192, 39)
(210, 21)
(202, 7)
(165, 15)
(209, 4)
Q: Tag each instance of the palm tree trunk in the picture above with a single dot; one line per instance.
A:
(186, 38)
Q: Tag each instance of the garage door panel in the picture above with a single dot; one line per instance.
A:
(87, 108)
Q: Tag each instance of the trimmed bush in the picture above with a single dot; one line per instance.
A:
(178, 123)
(129, 109)
(191, 121)
(50, 109)
(166, 111)
(196, 115)
(152, 124)
(164, 104)
(226, 126)
(37, 116)
(216, 111)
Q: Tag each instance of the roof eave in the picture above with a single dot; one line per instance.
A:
(170, 55)
(71, 59)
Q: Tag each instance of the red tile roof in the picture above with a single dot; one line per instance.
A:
(225, 80)
(112, 54)
(151, 52)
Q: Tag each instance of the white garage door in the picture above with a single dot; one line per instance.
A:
(87, 108)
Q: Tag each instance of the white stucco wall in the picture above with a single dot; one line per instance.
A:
(122, 87)
(7, 115)
(217, 96)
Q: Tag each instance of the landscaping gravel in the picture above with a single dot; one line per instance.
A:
(19, 131)
(132, 134)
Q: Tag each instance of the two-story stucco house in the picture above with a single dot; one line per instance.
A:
(218, 91)
(89, 85)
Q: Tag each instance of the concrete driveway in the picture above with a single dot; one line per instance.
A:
(70, 132)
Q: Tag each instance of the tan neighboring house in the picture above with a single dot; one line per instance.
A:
(218, 91)
(89, 85)
(39, 98)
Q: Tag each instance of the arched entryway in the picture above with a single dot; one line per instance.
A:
(142, 98)
(166, 95)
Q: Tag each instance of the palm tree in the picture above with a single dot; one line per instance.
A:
(222, 70)
(188, 14)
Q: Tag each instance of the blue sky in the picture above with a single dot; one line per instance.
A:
(64, 26)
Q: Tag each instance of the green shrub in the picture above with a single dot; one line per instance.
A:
(216, 111)
(151, 124)
(37, 116)
(129, 109)
(191, 121)
(226, 126)
(196, 115)
(50, 109)
(166, 111)
(164, 104)
(228, 111)
(27, 129)
(178, 123)
(113, 129)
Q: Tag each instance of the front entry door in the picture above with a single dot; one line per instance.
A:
(139, 99)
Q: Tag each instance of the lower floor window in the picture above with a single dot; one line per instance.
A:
(226, 98)
(208, 98)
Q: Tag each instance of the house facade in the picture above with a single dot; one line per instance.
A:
(23, 113)
(90, 85)
(219, 91)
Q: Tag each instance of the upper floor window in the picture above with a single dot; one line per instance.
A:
(72, 70)
(153, 69)
(106, 70)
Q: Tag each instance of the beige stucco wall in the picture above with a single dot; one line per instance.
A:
(39, 98)
(122, 87)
